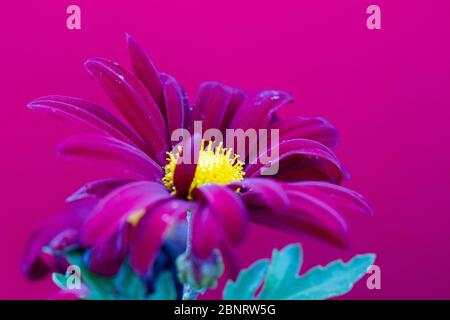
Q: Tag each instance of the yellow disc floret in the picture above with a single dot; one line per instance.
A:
(169, 169)
(214, 166)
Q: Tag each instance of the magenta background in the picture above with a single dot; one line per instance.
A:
(387, 91)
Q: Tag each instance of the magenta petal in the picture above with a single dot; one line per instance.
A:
(206, 232)
(238, 96)
(145, 70)
(343, 199)
(121, 155)
(185, 171)
(319, 217)
(257, 111)
(211, 103)
(306, 214)
(149, 234)
(108, 254)
(317, 129)
(134, 102)
(177, 106)
(97, 189)
(112, 210)
(228, 207)
(264, 193)
(230, 260)
(35, 263)
(300, 160)
(88, 114)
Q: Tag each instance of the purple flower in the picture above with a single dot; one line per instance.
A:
(119, 218)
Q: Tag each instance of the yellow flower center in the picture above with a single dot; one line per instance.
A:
(214, 166)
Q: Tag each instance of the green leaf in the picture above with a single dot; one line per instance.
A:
(126, 284)
(100, 288)
(248, 281)
(284, 266)
(281, 280)
(130, 286)
(336, 279)
(164, 288)
(60, 280)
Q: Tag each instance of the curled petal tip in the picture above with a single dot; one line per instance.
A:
(32, 105)
(37, 103)
(88, 62)
(92, 62)
(129, 39)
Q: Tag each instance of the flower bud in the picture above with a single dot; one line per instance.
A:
(200, 274)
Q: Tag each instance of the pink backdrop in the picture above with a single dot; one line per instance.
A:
(387, 91)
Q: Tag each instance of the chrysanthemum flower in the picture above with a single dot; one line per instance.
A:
(133, 217)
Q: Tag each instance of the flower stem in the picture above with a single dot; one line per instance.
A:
(189, 232)
(188, 292)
